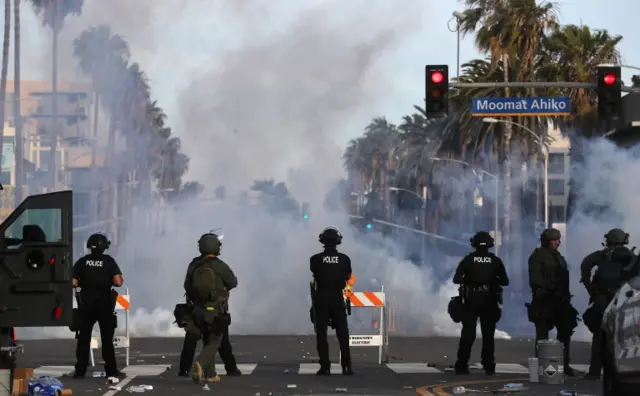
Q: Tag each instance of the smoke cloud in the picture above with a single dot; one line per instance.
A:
(255, 91)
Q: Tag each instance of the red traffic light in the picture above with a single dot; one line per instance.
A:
(609, 79)
(437, 77)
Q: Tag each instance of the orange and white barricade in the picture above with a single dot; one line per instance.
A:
(376, 301)
(122, 340)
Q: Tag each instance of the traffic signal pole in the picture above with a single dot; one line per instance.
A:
(557, 84)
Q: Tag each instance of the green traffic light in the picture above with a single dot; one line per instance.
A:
(368, 225)
(306, 216)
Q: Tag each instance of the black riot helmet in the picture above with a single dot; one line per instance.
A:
(98, 242)
(616, 237)
(330, 236)
(482, 239)
(210, 243)
(548, 235)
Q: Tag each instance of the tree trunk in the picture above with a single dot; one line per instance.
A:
(17, 113)
(54, 108)
(95, 185)
(506, 225)
(5, 67)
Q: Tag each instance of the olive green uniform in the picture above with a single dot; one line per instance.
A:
(599, 298)
(551, 304)
(207, 311)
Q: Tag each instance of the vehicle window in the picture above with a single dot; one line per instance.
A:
(35, 226)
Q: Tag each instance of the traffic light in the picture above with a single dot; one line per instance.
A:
(368, 225)
(304, 208)
(437, 90)
(609, 87)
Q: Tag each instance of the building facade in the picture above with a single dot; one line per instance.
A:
(558, 176)
(74, 147)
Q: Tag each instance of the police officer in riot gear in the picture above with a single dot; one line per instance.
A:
(191, 342)
(482, 276)
(207, 285)
(95, 274)
(331, 271)
(551, 298)
(614, 265)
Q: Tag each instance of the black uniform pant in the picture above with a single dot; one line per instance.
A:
(331, 307)
(488, 315)
(105, 317)
(601, 301)
(563, 320)
(189, 351)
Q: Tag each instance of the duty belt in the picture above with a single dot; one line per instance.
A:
(480, 288)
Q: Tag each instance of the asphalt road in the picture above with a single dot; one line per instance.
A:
(285, 365)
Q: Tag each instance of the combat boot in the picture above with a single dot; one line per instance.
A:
(324, 370)
(196, 373)
(461, 369)
(211, 380)
(234, 372)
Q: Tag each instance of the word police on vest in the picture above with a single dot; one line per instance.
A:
(94, 263)
(330, 259)
(482, 260)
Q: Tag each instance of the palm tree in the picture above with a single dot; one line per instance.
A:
(100, 54)
(583, 49)
(5, 67)
(510, 32)
(54, 13)
(17, 113)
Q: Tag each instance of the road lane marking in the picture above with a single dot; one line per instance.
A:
(120, 385)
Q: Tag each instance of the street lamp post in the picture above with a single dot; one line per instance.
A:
(496, 206)
(459, 17)
(545, 171)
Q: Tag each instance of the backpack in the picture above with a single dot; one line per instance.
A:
(609, 274)
(202, 281)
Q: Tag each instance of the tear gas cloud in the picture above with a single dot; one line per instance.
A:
(269, 95)
(263, 102)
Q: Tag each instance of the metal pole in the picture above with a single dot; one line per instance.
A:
(546, 84)
(546, 187)
(458, 50)
(423, 225)
(496, 216)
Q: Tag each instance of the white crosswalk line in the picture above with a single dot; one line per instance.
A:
(53, 371)
(412, 368)
(583, 368)
(245, 368)
(146, 370)
(150, 370)
(312, 368)
(504, 368)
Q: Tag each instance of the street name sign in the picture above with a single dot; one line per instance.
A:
(510, 107)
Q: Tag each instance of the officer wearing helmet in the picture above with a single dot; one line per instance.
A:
(551, 298)
(613, 265)
(331, 273)
(95, 274)
(207, 285)
(191, 342)
(481, 276)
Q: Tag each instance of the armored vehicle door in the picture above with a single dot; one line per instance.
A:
(36, 262)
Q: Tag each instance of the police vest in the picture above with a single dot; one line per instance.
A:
(608, 275)
(331, 259)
